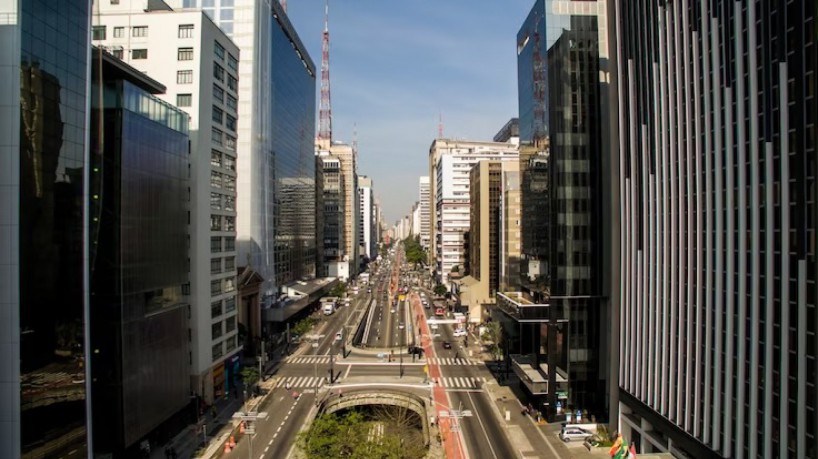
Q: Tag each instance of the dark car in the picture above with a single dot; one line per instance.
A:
(415, 350)
(447, 345)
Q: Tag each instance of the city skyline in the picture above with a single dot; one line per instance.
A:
(381, 57)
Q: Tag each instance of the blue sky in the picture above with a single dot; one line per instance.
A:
(396, 64)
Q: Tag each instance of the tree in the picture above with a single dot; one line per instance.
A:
(493, 336)
(456, 268)
(339, 290)
(250, 376)
(440, 290)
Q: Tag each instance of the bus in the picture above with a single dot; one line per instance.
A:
(439, 312)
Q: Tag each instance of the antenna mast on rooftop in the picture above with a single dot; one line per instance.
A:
(439, 125)
(283, 5)
(325, 109)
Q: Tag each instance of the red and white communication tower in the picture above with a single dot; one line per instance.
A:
(324, 108)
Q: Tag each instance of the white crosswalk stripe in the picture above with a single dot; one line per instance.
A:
(306, 382)
(309, 360)
(463, 382)
(453, 361)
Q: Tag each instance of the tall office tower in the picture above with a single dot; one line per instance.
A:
(138, 258)
(333, 217)
(416, 219)
(349, 170)
(717, 113)
(44, 73)
(425, 217)
(275, 151)
(449, 165)
(557, 323)
(510, 222)
(199, 65)
(485, 235)
(366, 215)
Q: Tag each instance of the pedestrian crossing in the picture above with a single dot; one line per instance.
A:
(309, 359)
(462, 382)
(453, 361)
(305, 382)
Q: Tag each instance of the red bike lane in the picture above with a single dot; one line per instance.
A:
(451, 440)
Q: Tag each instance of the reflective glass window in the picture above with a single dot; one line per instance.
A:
(184, 54)
(139, 31)
(139, 54)
(184, 100)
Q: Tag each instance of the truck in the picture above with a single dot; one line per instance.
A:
(328, 305)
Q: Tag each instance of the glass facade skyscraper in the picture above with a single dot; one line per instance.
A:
(44, 73)
(138, 256)
(717, 114)
(562, 51)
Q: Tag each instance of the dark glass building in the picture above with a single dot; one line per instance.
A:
(292, 91)
(717, 123)
(44, 73)
(138, 257)
(555, 326)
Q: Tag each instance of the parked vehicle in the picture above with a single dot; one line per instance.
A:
(447, 345)
(574, 433)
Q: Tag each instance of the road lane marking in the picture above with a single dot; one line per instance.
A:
(482, 426)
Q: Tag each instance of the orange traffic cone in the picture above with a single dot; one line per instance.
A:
(226, 447)
(232, 441)
(241, 427)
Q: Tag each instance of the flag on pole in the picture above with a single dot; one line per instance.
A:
(622, 452)
(615, 448)
(632, 454)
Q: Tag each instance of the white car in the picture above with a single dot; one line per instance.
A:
(460, 332)
(574, 433)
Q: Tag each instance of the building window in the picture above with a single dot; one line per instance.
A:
(230, 304)
(230, 142)
(229, 163)
(230, 324)
(232, 83)
(215, 309)
(229, 183)
(139, 31)
(218, 50)
(229, 263)
(232, 62)
(229, 223)
(215, 158)
(218, 72)
(215, 180)
(215, 244)
(139, 54)
(184, 77)
(216, 135)
(184, 54)
(215, 201)
(215, 287)
(215, 266)
(118, 53)
(231, 122)
(217, 351)
(186, 31)
(229, 203)
(216, 330)
(98, 32)
(230, 244)
(184, 100)
(119, 32)
(114, 2)
(229, 285)
(232, 103)
(218, 93)
(230, 343)
(217, 115)
(215, 223)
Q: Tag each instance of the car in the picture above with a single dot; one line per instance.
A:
(401, 325)
(447, 345)
(415, 350)
(460, 332)
(339, 336)
(574, 433)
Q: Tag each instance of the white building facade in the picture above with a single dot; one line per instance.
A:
(424, 206)
(366, 225)
(450, 163)
(198, 63)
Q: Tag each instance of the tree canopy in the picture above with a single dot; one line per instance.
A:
(414, 251)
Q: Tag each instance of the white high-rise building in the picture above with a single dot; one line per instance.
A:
(425, 218)
(366, 224)
(199, 64)
(449, 163)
